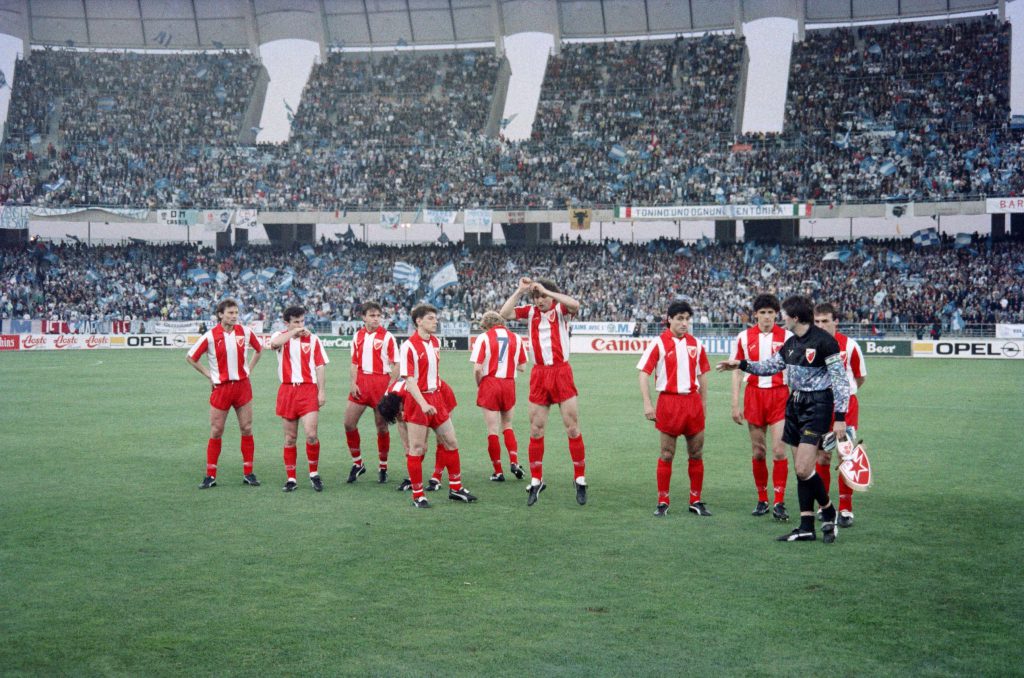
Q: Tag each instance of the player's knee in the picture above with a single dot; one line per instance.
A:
(695, 453)
(350, 427)
(312, 440)
(758, 451)
(779, 453)
(216, 431)
(289, 441)
(667, 454)
(572, 430)
(536, 431)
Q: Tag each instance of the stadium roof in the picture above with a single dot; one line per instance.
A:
(192, 24)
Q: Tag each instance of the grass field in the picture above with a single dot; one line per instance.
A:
(112, 562)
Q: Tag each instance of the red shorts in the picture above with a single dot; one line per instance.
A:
(412, 413)
(852, 413)
(765, 406)
(372, 388)
(498, 395)
(296, 400)
(551, 384)
(679, 415)
(231, 394)
(447, 396)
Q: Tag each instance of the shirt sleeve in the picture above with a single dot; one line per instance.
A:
(702, 360)
(408, 360)
(254, 341)
(390, 347)
(763, 368)
(477, 355)
(840, 385)
(355, 340)
(857, 365)
(319, 354)
(274, 336)
(522, 311)
(199, 348)
(737, 352)
(520, 350)
(649, 360)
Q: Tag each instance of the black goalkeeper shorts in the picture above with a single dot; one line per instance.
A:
(808, 417)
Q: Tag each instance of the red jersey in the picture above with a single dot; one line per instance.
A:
(226, 352)
(549, 333)
(753, 345)
(853, 360)
(500, 352)
(676, 362)
(374, 352)
(298, 358)
(419, 360)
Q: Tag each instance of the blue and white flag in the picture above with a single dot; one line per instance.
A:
(106, 103)
(285, 284)
(617, 153)
(151, 294)
(50, 188)
(220, 92)
(962, 240)
(308, 251)
(92, 276)
(406, 275)
(446, 276)
(247, 275)
(266, 274)
(222, 277)
(887, 168)
(926, 237)
(200, 276)
(894, 260)
(614, 247)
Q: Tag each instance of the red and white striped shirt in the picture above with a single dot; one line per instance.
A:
(398, 388)
(676, 363)
(419, 360)
(549, 333)
(853, 360)
(500, 352)
(753, 345)
(298, 358)
(226, 352)
(375, 351)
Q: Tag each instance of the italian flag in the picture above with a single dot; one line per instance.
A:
(623, 212)
(802, 209)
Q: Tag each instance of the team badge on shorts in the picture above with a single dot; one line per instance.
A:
(810, 353)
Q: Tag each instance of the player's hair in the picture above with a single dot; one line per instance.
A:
(293, 312)
(680, 306)
(766, 301)
(799, 307)
(389, 406)
(549, 285)
(420, 311)
(825, 308)
(491, 319)
(224, 305)
(372, 306)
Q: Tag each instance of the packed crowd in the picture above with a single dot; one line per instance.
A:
(889, 282)
(908, 111)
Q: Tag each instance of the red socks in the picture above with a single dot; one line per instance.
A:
(212, 455)
(352, 438)
(383, 447)
(845, 495)
(248, 451)
(454, 466)
(536, 454)
(825, 472)
(415, 466)
(695, 467)
(664, 479)
(511, 445)
(494, 452)
(760, 467)
(579, 464)
(780, 473)
(439, 463)
(313, 455)
(290, 455)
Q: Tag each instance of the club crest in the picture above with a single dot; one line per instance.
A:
(776, 345)
(552, 316)
(377, 344)
(810, 353)
(240, 341)
(306, 348)
(692, 350)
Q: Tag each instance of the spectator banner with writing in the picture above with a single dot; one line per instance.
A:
(798, 210)
(579, 219)
(177, 217)
(139, 214)
(246, 219)
(479, 221)
(623, 328)
(429, 216)
(1004, 205)
(217, 220)
(390, 219)
(1007, 331)
(13, 217)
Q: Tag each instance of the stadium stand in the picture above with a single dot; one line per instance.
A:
(890, 284)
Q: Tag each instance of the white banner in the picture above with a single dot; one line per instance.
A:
(176, 217)
(796, 210)
(620, 328)
(172, 326)
(429, 216)
(217, 220)
(246, 219)
(1004, 331)
(478, 221)
(1004, 205)
(13, 217)
(70, 342)
(997, 349)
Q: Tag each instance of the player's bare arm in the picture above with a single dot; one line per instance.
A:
(353, 382)
(727, 365)
(256, 355)
(737, 406)
(702, 388)
(645, 391)
(321, 385)
(572, 305)
(508, 309)
(199, 367)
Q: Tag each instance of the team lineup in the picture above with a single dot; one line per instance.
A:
(799, 391)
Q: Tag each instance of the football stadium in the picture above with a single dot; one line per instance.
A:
(359, 337)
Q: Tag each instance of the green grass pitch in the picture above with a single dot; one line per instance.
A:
(113, 563)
